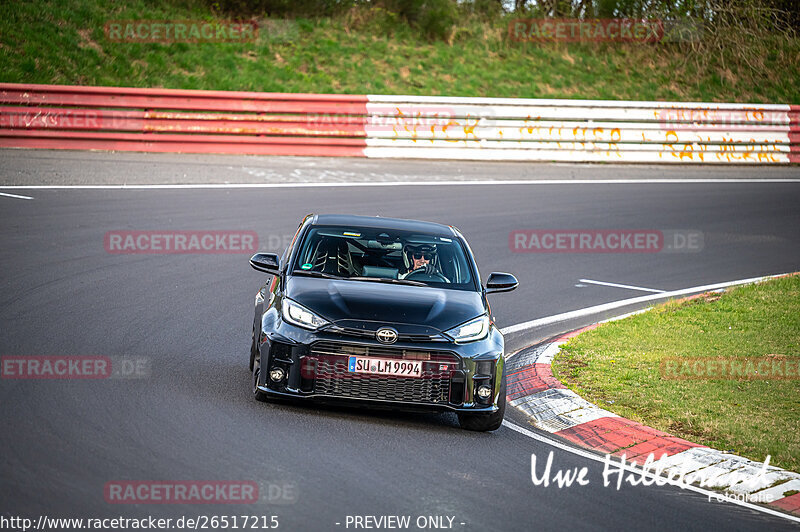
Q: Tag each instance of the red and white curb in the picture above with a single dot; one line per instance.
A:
(551, 407)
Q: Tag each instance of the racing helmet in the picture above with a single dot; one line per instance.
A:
(417, 251)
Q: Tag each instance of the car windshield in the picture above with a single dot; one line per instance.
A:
(383, 255)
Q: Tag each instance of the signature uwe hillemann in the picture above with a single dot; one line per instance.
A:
(617, 472)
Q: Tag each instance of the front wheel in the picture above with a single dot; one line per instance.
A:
(486, 422)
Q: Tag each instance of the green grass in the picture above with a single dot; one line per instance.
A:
(617, 366)
(63, 42)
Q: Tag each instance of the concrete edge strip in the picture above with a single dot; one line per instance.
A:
(435, 183)
(559, 411)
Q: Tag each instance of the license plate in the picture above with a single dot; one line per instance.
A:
(384, 366)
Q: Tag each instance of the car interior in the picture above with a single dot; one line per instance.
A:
(348, 252)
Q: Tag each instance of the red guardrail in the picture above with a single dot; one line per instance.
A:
(188, 121)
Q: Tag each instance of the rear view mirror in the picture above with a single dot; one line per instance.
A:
(501, 282)
(266, 262)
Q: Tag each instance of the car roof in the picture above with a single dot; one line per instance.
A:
(379, 222)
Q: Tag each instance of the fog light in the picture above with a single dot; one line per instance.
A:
(276, 374)
(484, 391)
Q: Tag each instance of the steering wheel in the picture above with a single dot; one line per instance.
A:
(421, 275)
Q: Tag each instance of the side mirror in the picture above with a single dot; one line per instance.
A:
(266, 262)
(501, 282)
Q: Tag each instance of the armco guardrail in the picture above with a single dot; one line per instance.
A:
(109, 118)
(585, 130)
(188, 121)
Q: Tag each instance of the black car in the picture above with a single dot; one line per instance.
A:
(381, 311)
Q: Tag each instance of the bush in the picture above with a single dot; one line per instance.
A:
(281, 8)
(437, 20)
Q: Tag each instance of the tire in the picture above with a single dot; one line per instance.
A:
(257, 394)
(486, 422)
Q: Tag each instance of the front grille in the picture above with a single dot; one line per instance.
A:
(402, 337)
(333, 378)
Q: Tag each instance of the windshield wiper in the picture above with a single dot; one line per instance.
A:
(324, 275)
(317, 274)
(387, 280)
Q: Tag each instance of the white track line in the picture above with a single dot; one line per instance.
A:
(615, 285)
(625, 302)
(392, 184)
(639, 471)
(14, 196)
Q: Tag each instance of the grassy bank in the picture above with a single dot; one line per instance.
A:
(63, 42)
(628, 367)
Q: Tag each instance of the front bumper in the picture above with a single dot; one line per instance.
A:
(378, 404)
(315, 369)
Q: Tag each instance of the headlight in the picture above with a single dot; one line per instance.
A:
(297, 314)
(475, 329)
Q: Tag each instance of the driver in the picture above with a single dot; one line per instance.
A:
(421, 258)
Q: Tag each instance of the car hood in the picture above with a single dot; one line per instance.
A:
(385, 303)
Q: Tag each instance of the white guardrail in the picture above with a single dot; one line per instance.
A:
(581, 130)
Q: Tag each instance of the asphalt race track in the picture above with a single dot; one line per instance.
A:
(189, 316)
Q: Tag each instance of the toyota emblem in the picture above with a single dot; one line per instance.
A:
(386, 335)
